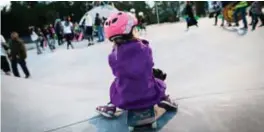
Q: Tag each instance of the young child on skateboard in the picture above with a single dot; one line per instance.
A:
(135, 87)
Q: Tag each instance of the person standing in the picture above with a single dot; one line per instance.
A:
(35, 38)
(59, 32)
(256, 13)
(191, 19)
(142, 22)
(68, 32)
(52, 36)
(41, 38)
(89, 29)
(218, 9)
(18, 55)
(240, 7)
(4, 61)
(99, 28)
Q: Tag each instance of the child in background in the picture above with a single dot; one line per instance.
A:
(52, 36)
(135, 86)
(76, 31)
(41, 38)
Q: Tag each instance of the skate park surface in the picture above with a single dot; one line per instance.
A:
(216, 76)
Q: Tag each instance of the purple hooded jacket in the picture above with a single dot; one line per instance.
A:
(134, 86)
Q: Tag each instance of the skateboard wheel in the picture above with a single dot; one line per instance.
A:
(131, 128)
(154, 125)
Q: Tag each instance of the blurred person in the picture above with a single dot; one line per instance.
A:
(189, 12)
(68, 32)
(256, 14)
(99, 28)
(5, 66)
(35, 38)
(89, 29)
(18, 55)
(240, 7)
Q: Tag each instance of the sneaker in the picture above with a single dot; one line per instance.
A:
(168, 104)
(222, 25)
(261, 25)
(107, 110)
(27, 76)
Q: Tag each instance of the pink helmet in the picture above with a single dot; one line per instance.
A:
(120, 23)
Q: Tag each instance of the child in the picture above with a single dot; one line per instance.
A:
(135, 86)
(35, 38)
(52, 36)
(68, 32)
(41, 38)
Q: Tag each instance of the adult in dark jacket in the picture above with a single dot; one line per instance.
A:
(240, 7)
(99, 28)
(256, 13)
(189, 11)
(18, 55)
(59, 32)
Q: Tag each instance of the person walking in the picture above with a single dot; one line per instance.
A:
(189, 12)
(51, 31)
(59, 32)
(18, 55)
(35, 38)
(99, 28)
(41, 38)
(240, 7)
(256, 13)
(68, 32)
(89, 29)
(218, 9)
(4, 61)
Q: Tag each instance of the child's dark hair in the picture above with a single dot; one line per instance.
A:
(121, 39)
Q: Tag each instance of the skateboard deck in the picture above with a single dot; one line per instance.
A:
(144, 119)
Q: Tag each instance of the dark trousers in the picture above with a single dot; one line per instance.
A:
(89, 33)
(60, 38)
(5, 64)
(23, 65)
(216, 16)
(68, 39)
(243, 14)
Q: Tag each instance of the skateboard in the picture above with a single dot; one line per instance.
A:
(144, 119)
